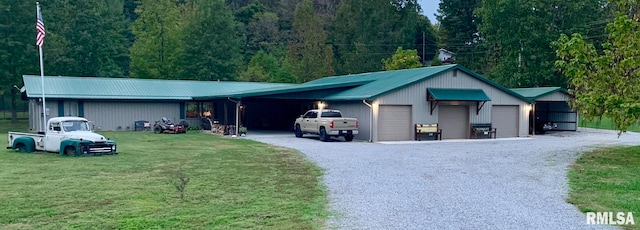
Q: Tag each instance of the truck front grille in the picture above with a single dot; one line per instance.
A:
(101, 147)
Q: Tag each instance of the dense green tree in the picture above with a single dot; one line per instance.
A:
(261, 30)
(112, 38)
(247, 13)
(402, 59)
(263, 67)
(517, 36)
(214, 39)
(458, 32)
(605, 83)
(263, 33)
(309, 57)
(237, 4)
(367, 31)
(92, 43)
(158, 44)
(18, 52)
(129, 10)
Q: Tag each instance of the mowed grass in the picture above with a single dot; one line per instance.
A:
(6, 115)
(605, 123)
(607, 180)
(233, 184)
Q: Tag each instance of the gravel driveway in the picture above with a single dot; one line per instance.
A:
(514, 183)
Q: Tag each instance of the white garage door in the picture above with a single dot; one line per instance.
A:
(454, 121)
(505, 119)
(394, 123)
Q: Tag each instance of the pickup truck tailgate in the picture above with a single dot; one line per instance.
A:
(345, 123)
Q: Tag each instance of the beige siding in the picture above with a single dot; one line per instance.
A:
(35, 112)
(356, 110)
(120, 115)
(395, 123)
(557, 96)
(416, 94)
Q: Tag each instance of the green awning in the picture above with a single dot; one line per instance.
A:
(441, 94)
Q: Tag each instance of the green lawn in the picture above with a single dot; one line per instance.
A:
(6, 115)
(607, 180)
(605, 123)
(233, 184)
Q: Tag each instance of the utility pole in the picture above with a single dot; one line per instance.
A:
(423, 48)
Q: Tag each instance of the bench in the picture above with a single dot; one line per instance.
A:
(482, 130)
(429, 130)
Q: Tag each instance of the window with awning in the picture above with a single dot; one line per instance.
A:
(435, 95)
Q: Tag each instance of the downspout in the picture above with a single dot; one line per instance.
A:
(370, 120)
(238, 102)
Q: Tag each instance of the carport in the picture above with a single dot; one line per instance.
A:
(277, 108)
(551, 106)
(272, 114)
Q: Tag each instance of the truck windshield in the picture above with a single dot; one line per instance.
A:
(69, 126)
(331, 114)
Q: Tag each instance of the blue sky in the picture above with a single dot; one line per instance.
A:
(430, 7)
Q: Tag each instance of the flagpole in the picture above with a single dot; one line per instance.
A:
(44, 107)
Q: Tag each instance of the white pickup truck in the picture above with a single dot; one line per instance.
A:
(65, 135)
(326, 123)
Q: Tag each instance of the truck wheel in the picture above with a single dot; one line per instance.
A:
(157, 129)
(348, 137)
(323, 135)
(70, 151)
(298, 131)
(21, 148)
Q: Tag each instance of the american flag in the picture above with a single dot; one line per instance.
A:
(40, 28)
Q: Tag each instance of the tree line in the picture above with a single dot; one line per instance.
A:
(509, 41)
(243, 40)
(259, 40)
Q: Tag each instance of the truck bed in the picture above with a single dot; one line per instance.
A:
(13, 135)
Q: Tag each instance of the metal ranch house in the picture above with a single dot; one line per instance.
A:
(388, 104)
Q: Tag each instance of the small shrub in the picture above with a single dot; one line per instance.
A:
(180, 183)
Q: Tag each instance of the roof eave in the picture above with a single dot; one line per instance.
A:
(288, 89)
(93, 97)
(533, 98)
(550, 92)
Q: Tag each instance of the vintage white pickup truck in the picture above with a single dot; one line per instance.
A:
(65, 135)
(326, 123)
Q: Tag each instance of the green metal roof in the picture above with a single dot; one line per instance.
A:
(344, 81)
(291, 89)
(388, 81)
(369, 84)
(364, 86)
(443, 94)
(351, 78)
(538, 92)
(135, 89)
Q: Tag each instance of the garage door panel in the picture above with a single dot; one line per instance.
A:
(505, 119)
(394, 123)
(454, 121)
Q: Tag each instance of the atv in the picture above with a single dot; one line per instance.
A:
(167, 126)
